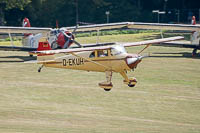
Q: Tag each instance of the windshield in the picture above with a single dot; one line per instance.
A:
(116, 50)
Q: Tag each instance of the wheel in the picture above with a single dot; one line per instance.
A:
(106, 89)
(130, 85)
(31, 55)
(132, 82)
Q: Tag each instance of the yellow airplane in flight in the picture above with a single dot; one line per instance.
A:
(106, 59)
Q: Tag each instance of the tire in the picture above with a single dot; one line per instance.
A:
(107, 89)
(129, 85)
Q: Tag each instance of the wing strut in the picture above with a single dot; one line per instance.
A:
(144, 48)
(11, 39)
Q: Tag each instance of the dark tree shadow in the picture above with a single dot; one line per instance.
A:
(175, 55)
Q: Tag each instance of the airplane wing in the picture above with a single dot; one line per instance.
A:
(156, 41)
(179, 45)
(33, 30)
(13, 48)
(162, 26)
(109, 26)
(95, 27)
(136, 25)
(94, 45)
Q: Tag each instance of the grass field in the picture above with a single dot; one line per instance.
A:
(166, 98)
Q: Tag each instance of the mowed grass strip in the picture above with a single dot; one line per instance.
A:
(166, 98)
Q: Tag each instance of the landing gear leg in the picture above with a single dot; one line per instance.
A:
(40, 68)
(194, 52)
(107, 85)
(131, 82)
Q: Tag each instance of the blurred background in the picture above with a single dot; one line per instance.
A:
(45, 13)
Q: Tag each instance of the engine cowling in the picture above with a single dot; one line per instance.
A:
(132, 60)
(62, 39)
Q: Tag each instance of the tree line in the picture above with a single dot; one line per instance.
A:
(44, 13)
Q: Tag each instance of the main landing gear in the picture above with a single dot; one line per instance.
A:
(131, 82)
(107, 85)
(40, 68)
(194, 52)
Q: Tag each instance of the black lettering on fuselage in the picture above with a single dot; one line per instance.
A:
(70, 62)
(81, 61)
(64, 62)
(73, 62)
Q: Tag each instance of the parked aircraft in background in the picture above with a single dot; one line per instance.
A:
(64, 37)
(194, 40)
(57, 38)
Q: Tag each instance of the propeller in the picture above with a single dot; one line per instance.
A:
(70, 38)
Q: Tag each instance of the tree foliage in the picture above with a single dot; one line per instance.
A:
(46, 12)
(9, 4)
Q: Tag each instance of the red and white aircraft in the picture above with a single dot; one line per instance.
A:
(57, 38)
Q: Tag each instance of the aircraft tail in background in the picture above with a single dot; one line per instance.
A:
(26, 23)
(195, 37)
(193, 22)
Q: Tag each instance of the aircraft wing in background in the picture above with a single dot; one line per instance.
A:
(136, 25)
(156, 41)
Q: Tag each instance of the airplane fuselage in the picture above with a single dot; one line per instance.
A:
(83, 61)
(116, 60)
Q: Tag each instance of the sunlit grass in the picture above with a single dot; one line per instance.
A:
(165, 99)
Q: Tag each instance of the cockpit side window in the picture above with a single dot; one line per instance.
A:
(102, 53)
(92, 55)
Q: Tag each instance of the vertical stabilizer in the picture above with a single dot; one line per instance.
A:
(195, 37)
(26, 23)
(193, 22)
